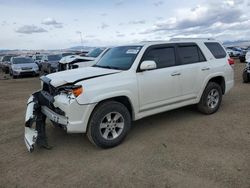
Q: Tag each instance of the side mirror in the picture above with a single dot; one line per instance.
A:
(148, 65)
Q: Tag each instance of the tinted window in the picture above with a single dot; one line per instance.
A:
(95, 53)
(164, 56)
(7, 58)
(216, 49)
(190, 54)
(54, 57)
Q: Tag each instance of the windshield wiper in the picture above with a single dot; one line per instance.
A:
(107, 67)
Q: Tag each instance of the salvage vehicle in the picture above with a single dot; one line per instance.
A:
(38, 60)
(76, 61)
(129, 83)
(246, 70)
(6, 63)
(49, 63)
(23, 66)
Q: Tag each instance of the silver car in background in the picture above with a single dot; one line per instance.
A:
(23, 66)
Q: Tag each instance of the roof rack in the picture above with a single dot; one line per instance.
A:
(181, 39)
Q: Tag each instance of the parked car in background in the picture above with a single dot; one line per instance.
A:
(49, 63)
(23, 66)
(1, 63)
(38, 60)
(6, 63)
(67, 54)
(246, 70)
(237, 52)
(76, 61)
(129, 83)
(233, 53)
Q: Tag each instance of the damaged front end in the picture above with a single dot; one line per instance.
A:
(35, 135)
(41, 106)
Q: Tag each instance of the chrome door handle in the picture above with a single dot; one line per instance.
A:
(205, 69)
(176, 74)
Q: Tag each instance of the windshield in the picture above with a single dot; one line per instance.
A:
(7, 58)
(95, 53)
(22, 60)
(54, 57)
(39, 57)
(120, 58)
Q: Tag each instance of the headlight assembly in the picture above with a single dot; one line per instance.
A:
(76, 90)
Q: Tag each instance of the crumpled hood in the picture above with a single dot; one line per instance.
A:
(77, 75)
(70, 59)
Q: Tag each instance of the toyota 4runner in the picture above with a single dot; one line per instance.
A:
(129, 83)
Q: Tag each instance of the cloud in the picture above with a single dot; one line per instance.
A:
(103, 14)
(158, 3)
(30, 29)
(104, 26)
(136, 22)
(4, 23)
(120, 35)
(52, 22)
(119, 2)
(213, 18)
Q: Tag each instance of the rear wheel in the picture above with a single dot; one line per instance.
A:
(109, 124)
(211, 98)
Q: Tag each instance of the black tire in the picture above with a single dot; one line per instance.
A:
(204, 105)
(96, 134)
(245, 76)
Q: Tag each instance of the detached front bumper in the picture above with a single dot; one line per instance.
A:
(30, 134)
(60, 109)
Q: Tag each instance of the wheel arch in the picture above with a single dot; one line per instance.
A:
(220, 80)
(125, 100)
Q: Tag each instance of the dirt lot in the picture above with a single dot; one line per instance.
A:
(181, 148)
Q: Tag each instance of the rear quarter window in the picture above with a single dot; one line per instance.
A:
(190, 54)
(216, 49)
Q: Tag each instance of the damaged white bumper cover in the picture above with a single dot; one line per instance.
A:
(30, 134)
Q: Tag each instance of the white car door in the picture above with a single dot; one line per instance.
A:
(194, 69)
(161, 86)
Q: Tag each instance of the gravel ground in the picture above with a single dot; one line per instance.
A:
(180, 148)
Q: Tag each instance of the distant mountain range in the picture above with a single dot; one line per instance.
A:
(241, 43)
(25, 51)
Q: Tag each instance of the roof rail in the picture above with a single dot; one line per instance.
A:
(180, 39)
(153, 41)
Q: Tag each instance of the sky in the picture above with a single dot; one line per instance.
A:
(60, 24)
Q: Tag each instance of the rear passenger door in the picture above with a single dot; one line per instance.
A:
(160, 86)
(194, 69)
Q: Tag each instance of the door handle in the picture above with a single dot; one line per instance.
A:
(205, 69)
(176, 74)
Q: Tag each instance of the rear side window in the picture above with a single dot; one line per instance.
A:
(216, 49)
(190, 54)
(163, 56)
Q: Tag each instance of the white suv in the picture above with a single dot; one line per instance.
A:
(129, 83)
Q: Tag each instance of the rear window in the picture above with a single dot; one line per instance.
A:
(216, 49)
(190, 54)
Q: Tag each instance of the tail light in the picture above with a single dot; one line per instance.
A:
(230, 61)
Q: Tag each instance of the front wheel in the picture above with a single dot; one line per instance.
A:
(211, 98)
(109, 124)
